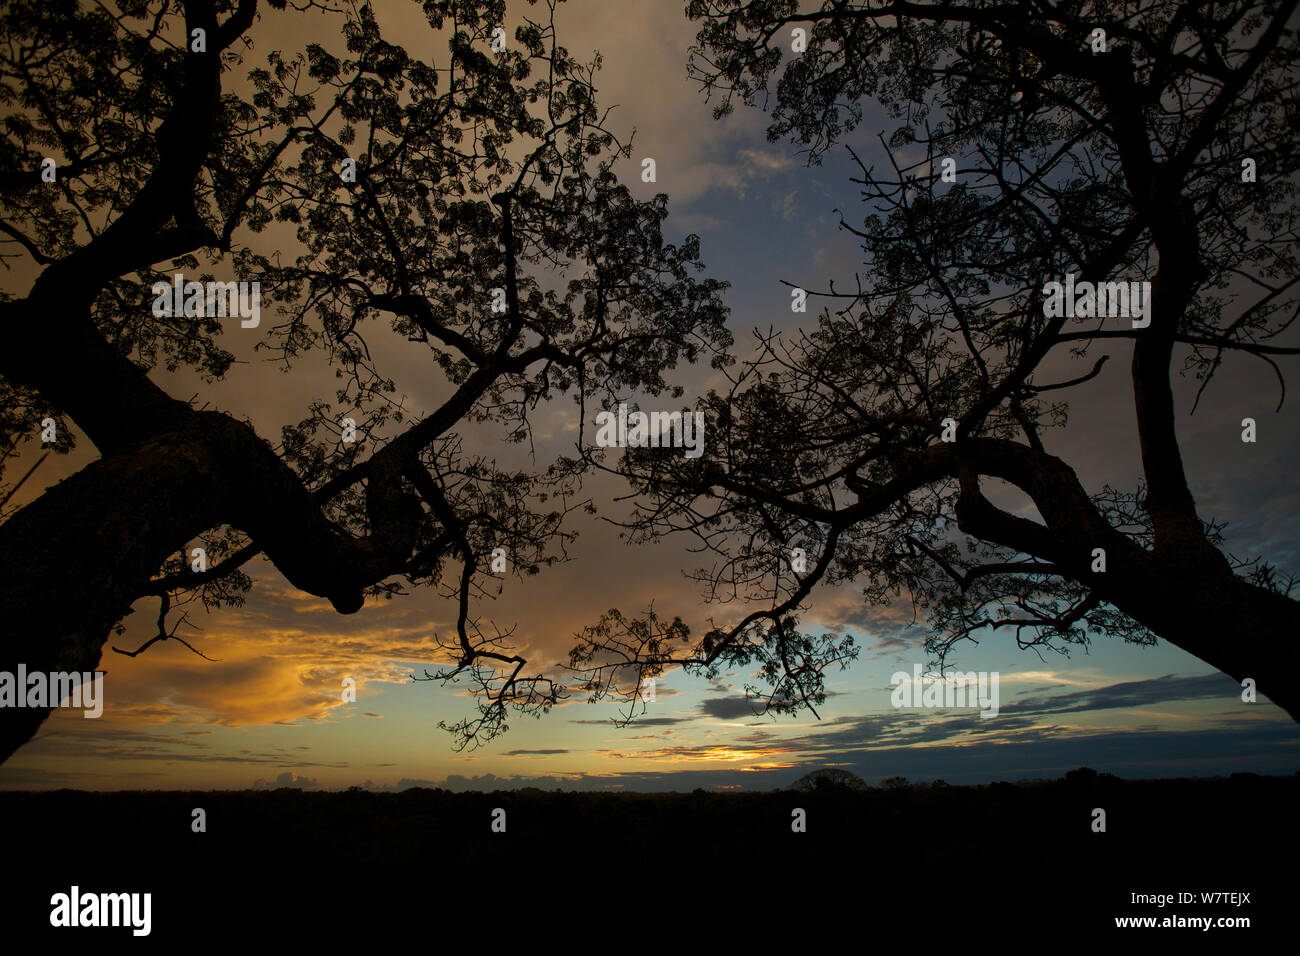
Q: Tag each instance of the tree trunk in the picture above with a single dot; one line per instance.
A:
(73, 561)
(1243, 630)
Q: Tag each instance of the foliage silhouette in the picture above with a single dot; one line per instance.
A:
(1126, 164)
(486, 169)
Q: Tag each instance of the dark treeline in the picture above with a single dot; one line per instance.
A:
(345, 861)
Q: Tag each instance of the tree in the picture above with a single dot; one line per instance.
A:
(828, 779)
(467, 207)
(1147, 141)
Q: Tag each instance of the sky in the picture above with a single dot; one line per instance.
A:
(267, 711)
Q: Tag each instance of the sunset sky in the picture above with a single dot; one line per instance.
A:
(268, 711)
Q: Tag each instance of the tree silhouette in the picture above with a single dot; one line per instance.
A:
(483, 225)
(1145, 141)
(828, 779)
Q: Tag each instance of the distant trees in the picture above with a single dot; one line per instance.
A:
(828, 778)
(1034, 143)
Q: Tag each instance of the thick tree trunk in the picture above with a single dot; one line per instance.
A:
(1243, 630)
(1184, 591)
(73, 561)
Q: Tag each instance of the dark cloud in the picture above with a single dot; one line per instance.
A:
(639, 722)
(138, 745)
(1268, 749)
(730, 708)
(1138, 693)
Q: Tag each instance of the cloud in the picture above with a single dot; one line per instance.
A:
(1139, 693)
(279, 659)
(788, 206)
(765, 161)
(728, 708)
(639, 722)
